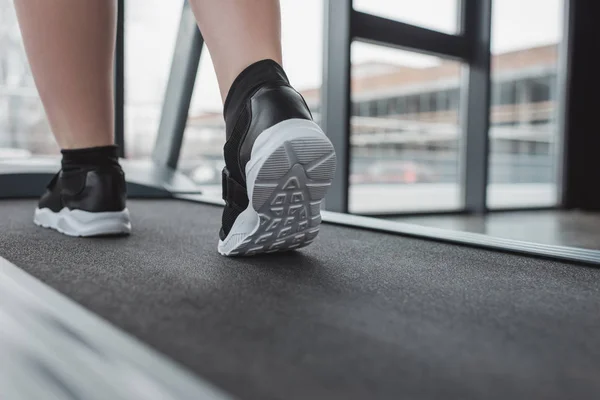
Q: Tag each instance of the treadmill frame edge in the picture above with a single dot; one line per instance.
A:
(144, 180)
(477, 240)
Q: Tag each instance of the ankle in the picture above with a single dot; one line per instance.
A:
(91, 156)
(250, 79)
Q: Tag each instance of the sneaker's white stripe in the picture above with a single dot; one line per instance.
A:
(84, 223)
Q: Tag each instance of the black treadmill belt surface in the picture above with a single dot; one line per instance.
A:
(357, 315)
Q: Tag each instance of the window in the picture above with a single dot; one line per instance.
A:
(454, 98)
(201, 156)
(408, 160)
(373, 110)
(541, 89)
(444, 19)
(400, 105)
(364, 108)
(428, 102)
(382, 107)
(442, 101)
(507, 93)
(413, 104)
(523, 133)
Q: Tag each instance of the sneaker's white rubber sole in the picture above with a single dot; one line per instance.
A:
(290, 169)
(84, 223)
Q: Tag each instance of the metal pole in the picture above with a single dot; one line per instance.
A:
(475, 104)
(579, 82)
(180, 88)
(335, 96)
(119, 79)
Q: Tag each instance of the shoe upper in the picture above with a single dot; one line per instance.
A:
(93, 189)
(264, 106)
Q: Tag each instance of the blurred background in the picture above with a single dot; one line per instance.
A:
(406, 133)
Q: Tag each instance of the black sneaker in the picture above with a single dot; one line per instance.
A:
(279, 164)
(85, 201)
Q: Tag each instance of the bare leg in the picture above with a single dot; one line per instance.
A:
(238, 33)
(70, 46)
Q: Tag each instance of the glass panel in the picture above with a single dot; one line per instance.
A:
(151, 28)
(150, 33)
(24, 129)
(405, 131)
(444, 19)
(201, 157)
(524, 133)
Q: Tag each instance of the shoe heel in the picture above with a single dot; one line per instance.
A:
(291, 168)
(83, 223)
(289, 206)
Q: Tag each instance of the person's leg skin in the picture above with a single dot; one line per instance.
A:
(278, 162)
(238, 33)
(70, 47)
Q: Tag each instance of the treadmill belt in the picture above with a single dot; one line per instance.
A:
(357, 315)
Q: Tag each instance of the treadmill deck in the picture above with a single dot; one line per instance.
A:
(356, 315)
